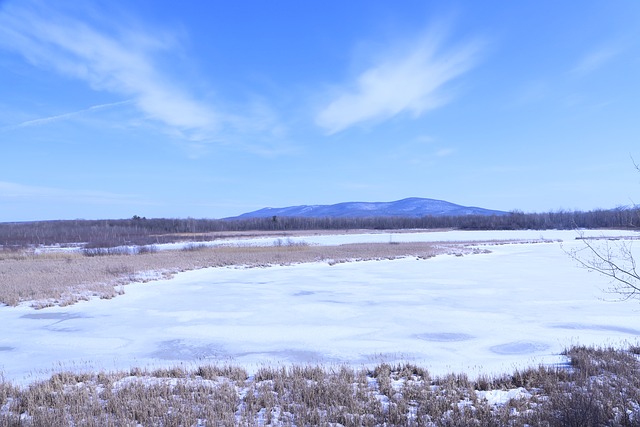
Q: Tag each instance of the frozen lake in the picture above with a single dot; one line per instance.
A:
(519, 305)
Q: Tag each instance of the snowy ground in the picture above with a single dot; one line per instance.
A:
(373, 236)
(519, 305)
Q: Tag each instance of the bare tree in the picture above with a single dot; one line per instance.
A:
(613, 258)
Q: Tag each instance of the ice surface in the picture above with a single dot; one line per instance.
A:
(444, 337)
(373, 236)
(415, 236)
(519, 347)
(519, 305)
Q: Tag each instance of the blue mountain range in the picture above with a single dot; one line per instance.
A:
(411, 207)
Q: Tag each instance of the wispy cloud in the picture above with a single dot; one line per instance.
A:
(65, 116)
(408, 79)
(596, 59)
(109, 57)
(10, 191)
(445, 152)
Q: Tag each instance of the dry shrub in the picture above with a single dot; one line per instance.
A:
(6, 390)
(602, 389)
(590, 361)
(311, 395)
(213, 372)
(173, 372)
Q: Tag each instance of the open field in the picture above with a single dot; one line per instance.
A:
(62, 278)
(510, 301)
(304, 338)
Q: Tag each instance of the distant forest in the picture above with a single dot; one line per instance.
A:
(143, 231)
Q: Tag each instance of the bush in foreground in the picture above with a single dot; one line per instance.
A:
(600, 388)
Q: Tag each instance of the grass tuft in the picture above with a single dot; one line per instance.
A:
(602, 388)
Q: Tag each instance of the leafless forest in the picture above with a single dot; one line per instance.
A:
(142, 231)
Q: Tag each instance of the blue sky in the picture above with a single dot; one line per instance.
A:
(212, 109)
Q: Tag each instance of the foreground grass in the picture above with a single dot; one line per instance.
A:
(600, 388)
(65, 278)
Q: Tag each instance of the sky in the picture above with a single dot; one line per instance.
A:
(213, 109)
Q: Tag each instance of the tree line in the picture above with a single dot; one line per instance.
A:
(142, 231)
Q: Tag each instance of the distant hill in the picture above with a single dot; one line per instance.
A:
(414, 207)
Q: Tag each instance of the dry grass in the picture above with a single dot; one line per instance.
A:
(215, 235)
(64, 278)
(602, 388)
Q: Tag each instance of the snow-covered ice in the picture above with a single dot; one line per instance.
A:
(519, 305)
(411, 236)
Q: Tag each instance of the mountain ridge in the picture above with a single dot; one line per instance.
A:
(413, 207)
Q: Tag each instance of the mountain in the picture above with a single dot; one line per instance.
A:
(412, 207)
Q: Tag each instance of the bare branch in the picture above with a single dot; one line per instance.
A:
(613, 260)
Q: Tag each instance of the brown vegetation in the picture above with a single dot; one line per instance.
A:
(142, 231)
(64, 278)
(601, 387)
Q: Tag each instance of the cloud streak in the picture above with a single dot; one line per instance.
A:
(65, 116)
(11, 192)
(597, 58)
(109, 58)
(408, 79)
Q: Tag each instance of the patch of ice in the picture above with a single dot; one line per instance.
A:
(444, 336)
(519, 347)
(583, 326)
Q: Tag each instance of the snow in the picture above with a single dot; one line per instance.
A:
(502, 397)
(373, 237)
(517, 306)
(417, 236)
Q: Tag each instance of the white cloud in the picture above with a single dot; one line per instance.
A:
(409, 79)
(10, 191)
(596, 59)
(110, 58)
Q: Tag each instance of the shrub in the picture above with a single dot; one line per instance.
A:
(601, 389)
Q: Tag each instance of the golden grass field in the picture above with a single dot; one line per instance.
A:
(64, 278)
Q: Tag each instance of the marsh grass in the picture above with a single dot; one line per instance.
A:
(602, 388)
(64, 278)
